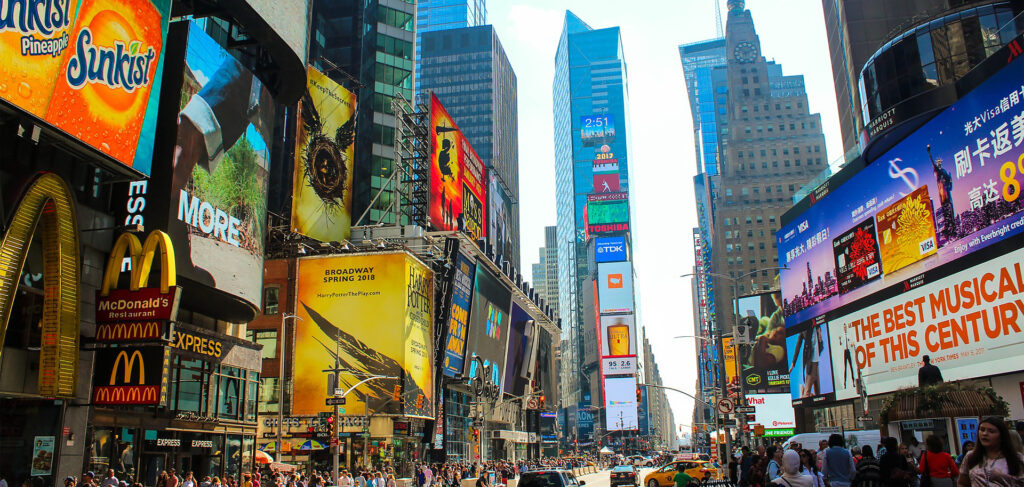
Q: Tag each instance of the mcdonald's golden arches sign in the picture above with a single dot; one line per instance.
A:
(130, 376)
(139, 313)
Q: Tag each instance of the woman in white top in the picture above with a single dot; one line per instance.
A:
(791, 476)
(344, 479)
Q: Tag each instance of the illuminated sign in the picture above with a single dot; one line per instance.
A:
(610, 249)
(458, 320)
(607, 212)
(597, 129)
(598, 229)
(138, 313)
(47, 205)
(130, 376)
(458, 188)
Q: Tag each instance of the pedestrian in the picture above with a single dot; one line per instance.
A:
(928, 374)
(838, 466)
(895, 470)
(937, 466)
(391, 481)
(868, 473)
(790, 475)
(908, 454)
(774, 463)
(161, 480)
(993, 461)
(172, 479)
(69, 481)
(746, 463)
(111, 480)
(190, 480)
(822, 446)
(809, 467)
(681, 478)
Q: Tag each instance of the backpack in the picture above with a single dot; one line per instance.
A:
(868, 473)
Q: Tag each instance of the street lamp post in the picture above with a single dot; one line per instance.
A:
(280, 383)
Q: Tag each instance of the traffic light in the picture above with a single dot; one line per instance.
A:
(333, 426)
(638, 395)
(396, 393)
(419, 401)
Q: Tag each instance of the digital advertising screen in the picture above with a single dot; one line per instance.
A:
(545, 371)
(774, 412)
(618, 335)
(458, 317)
(620, 404)
(615, 287)
(949, 189)
(610, 249)
(372, 314)
(809, 355)
(489, 324)
(856, 256)
(518, 348)
(604, 212)
(597, 129)
(763, 364)
(89, 68)
(324, 158)
(606, 176)
(500, 214)
(458, 179)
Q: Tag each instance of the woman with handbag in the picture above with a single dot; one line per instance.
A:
(937, 467)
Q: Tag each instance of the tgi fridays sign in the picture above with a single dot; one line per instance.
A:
(138, 313)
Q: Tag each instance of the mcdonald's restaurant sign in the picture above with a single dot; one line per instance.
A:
(139, 313)
(130, 376)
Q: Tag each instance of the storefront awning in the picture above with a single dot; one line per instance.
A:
(946, 402)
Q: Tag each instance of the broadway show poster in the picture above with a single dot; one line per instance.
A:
(458, 317)
(856, 256)
(367, 314)
(810, 363)
(322, 188)
(968, 157)
(906, 231)
(489, 324)
(763, 364)
(57, 63)
(458, 184)
(218, 165)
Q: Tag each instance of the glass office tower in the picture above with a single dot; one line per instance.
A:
(591, 120)
(433, 15)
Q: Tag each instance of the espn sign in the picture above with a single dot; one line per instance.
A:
(610, 249)
(130, 376)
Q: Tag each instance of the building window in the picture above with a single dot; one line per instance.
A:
(229, 392)
(188, 385)
(271, 299)
(267, 338)
(268, 395)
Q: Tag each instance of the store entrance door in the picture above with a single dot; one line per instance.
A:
(152, 465)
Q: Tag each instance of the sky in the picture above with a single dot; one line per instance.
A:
(662, 161)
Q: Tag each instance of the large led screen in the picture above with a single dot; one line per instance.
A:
(615, 287)
(458, 317)
(774, 412)
(810, 363)
(324, 158)
(597, 129)
(372, 315)
(618, 335)
(458, 184)
(620, 404)
(949, 189)
(763, 366)
(500, 215)
(89, 68)
(517, 350)
(489, 324)
(603, 212)
(968, 323)
(609, 249)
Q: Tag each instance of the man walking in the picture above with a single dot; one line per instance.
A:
(838, 467)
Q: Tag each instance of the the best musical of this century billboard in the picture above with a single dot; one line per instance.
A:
(949, 189)
(458, 184)
(88, 68)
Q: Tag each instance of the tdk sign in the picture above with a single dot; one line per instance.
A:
(610, 249)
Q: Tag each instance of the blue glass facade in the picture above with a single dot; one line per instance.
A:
(704, 63)
(590, 89)
(434, 15)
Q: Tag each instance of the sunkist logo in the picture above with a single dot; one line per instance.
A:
(45, 19)
(125, 65)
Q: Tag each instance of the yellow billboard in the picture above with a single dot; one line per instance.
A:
(322, 188)
(367, 315)
(731, 370)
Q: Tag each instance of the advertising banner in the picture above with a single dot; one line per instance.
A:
(773, 411)
(620, 403)
(584, 422)
(458, 317)
(130, 376)
(856, 256)
(947, 190)
(369, 314)
(763, 364)
(732, 374)
(623, 365)
(42, 456)
(809, 357)
(324, 156)
(545, 375)
(548, 434)
(615, 287)
(489, 324)
(458, 188)
(618, 335)
(88, 68)
(609, 249)
(606, 177)
(499, 214)
(597, 129)
(517, 348)
(605, 212)
(968, 323)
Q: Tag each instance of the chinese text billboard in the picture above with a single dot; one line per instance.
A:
(489, 324)
(458, 184)
(322, 186)
(620, 403)
(947, 190)
(763, 365)
(370, 314)
(615, 287)
(458, 317)
(89, 68)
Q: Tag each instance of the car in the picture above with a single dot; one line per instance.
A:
(549, 478)
(624, 475)
(664, 476)
(641, 461)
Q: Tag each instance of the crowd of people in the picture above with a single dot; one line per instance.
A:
(995, 460)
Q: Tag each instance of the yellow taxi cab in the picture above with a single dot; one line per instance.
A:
(663, 476)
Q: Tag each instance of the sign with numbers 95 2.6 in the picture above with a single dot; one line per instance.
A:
(618, 365)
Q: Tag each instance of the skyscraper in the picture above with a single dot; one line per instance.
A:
(368, 48)
(592, 194)
(545, 271)
(434, 15)
(469, 72)
(704, 71)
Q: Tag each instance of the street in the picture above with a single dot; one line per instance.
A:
(600, 479)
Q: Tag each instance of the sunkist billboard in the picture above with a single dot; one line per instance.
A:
(88, 68)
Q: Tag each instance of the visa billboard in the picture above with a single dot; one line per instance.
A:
(609, 249)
